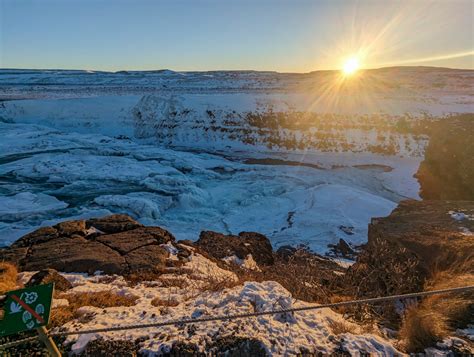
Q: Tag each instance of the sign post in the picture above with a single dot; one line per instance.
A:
(29, 309)
(48, 341)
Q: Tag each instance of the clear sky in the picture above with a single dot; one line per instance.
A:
(281, 35)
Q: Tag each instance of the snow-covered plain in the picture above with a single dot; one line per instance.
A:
(178, 150)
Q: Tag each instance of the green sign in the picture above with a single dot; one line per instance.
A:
(26, 309)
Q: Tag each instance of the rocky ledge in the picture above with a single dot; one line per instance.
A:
(418, 240)
(117, 244)
(114, 244)
(438, 232)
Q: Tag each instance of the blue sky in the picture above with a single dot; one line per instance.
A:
(282, 35)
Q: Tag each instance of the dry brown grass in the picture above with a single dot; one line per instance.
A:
(438, 316)
(141, 276)
(8, 277)
(175, 282)
(64, 314)
(384, 268)
(101, 299)
(340, 327)
(213, 284)
(421, 328)
(455, 307)
(306, 276)
(157, 302)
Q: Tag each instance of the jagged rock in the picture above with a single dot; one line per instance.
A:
(127, 241)
(149, 258)
(113, 224)
(183, 252)
(349, 230)
(50, 276)
(342, 249)
(38, 236)
(286, 251)
(70, 228)
(186, 242)
(220, 246)
(74, 255)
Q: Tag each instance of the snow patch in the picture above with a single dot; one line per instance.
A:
(247, 263)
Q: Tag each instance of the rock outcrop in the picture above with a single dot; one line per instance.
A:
(418, 239)
(440, 233)
(447, 172)
(117, 244)
(220, 246)
(114, 244)
(343, 250)
(114, 224)
(47, 276)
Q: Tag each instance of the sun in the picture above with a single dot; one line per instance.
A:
(351, 66)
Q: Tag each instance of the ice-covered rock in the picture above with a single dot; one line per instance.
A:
(25, 204)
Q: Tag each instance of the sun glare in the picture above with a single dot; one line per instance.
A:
(351, 66)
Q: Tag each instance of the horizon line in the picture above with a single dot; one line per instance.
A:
(226, 70)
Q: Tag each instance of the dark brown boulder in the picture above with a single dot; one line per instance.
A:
(219, 246)
(50, 276)
(286, 252)
(342, 249)
(70, 228)
(40, 235)
(74, 255)
(125, 242)
(113, 224)
(148, 258)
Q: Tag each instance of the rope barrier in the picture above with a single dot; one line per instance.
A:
(246, 315)
(270, 312)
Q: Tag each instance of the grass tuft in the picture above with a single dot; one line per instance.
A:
(161, 302)
(8, 277)
(438, 316)
(101, 299)
(341, 327)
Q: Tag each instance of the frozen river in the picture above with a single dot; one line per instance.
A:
(48, 175)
